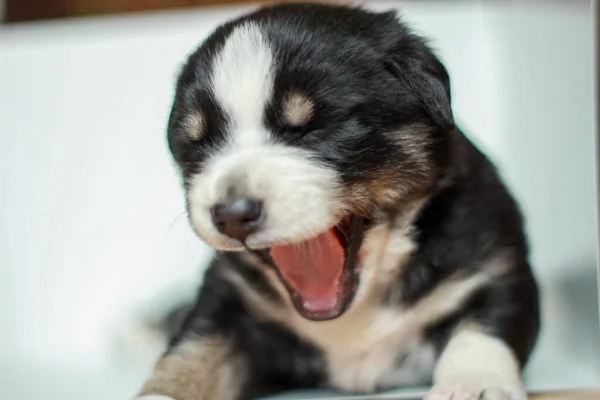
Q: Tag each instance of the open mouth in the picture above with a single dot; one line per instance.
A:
(321, 273)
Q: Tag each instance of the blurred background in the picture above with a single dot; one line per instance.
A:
(94, 241)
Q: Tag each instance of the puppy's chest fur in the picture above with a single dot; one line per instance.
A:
(373, 345)
(370, 346)
(368, 349)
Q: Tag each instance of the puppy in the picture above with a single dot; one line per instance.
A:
(364, 242)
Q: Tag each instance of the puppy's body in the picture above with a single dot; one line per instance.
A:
(331, 128)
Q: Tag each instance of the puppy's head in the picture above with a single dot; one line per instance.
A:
(294, 125)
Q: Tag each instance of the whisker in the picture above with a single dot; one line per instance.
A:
(173, 224)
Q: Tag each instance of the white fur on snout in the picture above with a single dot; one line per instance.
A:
(300, 196)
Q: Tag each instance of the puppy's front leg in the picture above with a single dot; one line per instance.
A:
(202, 368)
(477, 366)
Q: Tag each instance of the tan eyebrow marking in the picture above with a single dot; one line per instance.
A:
(194, 125)
(298, 109)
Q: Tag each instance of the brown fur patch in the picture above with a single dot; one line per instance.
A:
(407, 180)
(201, 369)
(297, 109)
(194, 125)
(389, 189)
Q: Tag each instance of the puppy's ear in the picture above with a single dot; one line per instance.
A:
(411, 61)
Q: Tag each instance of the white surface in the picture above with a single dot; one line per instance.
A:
(547, 154)
(91, 225)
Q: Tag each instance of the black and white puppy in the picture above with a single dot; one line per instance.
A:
(364, 242)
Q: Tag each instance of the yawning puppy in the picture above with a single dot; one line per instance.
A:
(364, 242)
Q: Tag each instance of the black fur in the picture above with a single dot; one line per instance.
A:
(369, 76)
(463, 225)
(277, 358)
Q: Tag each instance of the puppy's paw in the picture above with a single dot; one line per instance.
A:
(473, 390)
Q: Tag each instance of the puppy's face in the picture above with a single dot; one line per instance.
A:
(294, 125)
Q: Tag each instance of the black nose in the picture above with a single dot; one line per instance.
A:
(238, 218)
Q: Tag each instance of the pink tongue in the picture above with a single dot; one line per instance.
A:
(313, 269)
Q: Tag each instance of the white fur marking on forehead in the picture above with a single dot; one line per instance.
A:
(242, 79)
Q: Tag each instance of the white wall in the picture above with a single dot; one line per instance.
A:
(547, 153)
(92, 235)
(91, 206)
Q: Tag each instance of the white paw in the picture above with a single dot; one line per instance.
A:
(154, 397)
(473, 390)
